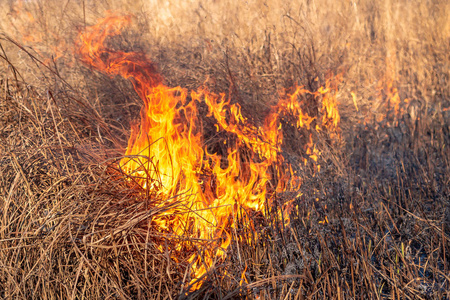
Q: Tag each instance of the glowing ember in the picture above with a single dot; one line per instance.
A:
(167, 153)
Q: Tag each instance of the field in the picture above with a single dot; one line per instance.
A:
(317, 132)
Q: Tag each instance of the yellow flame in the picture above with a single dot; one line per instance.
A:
(167, 152)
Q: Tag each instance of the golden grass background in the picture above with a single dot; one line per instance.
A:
(271, 38)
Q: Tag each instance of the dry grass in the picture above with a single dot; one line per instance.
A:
(72, 227)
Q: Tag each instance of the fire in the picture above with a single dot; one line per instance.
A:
(388, 94)
(168, 153)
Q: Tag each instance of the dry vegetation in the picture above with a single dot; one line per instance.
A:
(374, 223)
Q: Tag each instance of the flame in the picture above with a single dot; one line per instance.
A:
(388, 94)
(354, 100)
(394, 107)
(168, 153)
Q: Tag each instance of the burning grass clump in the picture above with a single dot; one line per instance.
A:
(70, 225)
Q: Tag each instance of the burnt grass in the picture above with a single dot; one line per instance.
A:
(373, 223)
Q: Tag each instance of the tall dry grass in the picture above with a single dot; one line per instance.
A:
(374, 223)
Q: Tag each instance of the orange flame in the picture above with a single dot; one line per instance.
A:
(168, 154)
(388, 94)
